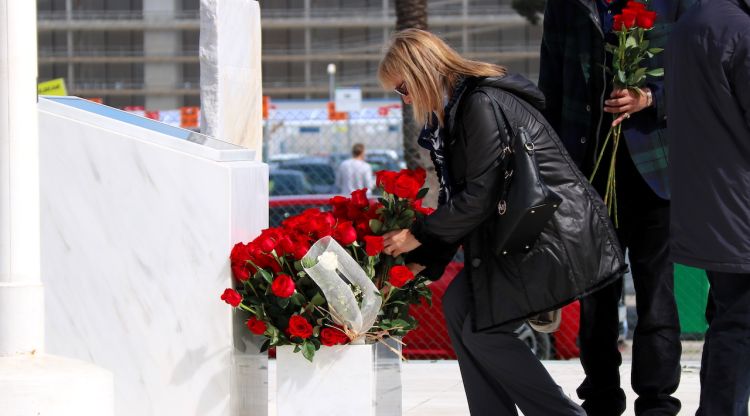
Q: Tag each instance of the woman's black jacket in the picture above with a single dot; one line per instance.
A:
(578, 251)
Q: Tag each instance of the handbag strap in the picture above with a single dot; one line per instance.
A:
(507, 152)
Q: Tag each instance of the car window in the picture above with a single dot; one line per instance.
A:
(285, 184)
(317, 174)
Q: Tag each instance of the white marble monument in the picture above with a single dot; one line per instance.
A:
(138, 220)
(231, 83)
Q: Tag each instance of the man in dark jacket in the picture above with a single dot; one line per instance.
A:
(708, 85)
(579, 96)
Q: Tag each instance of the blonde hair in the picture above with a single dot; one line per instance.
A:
(430, 68)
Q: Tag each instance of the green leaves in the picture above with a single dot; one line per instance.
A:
(630, 42)
(318, 300)
(422, 193)
(632, 49)
(658, 72)
(308, 350)
(376, 226)
(298, 299)
(265, 275)
(282, 302)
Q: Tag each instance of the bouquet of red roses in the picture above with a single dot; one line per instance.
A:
(288, 307)
(632, 48)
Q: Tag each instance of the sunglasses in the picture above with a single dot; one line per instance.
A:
(401, 89)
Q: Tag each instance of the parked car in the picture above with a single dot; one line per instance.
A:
(430, 340)
(319, 173)
(287, 182)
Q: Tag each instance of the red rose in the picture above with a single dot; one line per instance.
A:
(646, 19)
(239, 257)
(333, 336)
(282, 286)
(340, 206)
(299, 327)
(353, 211)
(372, 212)
(285, 246)
(363, 229)
(359, 198)
(634, 5)
(345, 233)
(373, 245)
(400, 275)
(423, 210)
(256, 326)
(628, 18)
(419, 175)
(232, 297)
(406, 187)
(618, 25)
(300, 251)
(387, 180)
(267, 244)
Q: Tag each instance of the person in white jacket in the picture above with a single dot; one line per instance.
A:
(354, 174)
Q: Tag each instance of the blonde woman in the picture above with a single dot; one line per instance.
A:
(459, 100)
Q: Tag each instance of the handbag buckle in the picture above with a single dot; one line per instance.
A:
(529, 147)
(502, 207)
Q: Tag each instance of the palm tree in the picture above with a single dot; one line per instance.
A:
(413, 14)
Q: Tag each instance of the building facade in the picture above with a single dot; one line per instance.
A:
(145, 52)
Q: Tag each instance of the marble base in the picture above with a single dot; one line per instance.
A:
(42, 384)
(343, 380)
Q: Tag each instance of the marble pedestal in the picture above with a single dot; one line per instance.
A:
(343, 380)
(138, 220)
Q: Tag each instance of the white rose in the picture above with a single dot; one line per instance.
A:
(328, 260)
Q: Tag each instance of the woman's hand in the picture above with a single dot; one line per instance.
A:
(399, 242)
(626, 102)
(415, 268)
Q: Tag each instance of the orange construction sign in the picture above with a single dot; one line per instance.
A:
(334, 115)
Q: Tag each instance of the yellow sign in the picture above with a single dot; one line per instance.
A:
(52, 87)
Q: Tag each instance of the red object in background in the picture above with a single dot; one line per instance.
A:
(97, 100)
(265, 104)
(430, 341)
(386, 109)
(133, 108)
(566, 339)
(153, 115)
(189, 117)
(334, 115)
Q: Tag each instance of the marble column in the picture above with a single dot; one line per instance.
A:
(21, 292)
(230, 57)
(31, 382)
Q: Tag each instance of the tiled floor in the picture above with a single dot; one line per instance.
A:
(433, 388)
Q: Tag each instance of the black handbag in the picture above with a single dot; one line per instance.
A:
(526, 204)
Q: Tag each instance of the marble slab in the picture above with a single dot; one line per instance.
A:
(136, 233)
(342, 380)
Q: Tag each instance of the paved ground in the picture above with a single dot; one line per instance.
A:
(433, 388)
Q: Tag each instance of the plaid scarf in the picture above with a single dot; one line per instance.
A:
(433, 138)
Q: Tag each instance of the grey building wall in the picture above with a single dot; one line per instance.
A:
(110, 48)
